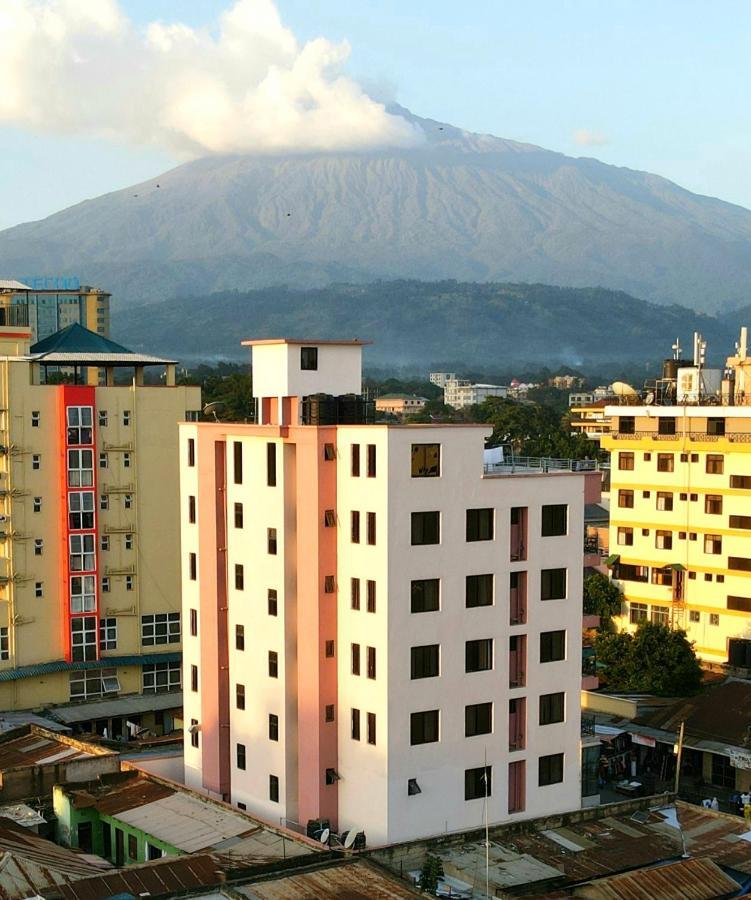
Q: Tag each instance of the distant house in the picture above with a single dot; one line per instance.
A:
(460, 393)
(400, 404)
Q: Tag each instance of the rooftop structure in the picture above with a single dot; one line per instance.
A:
(46, 306)
(461, 393)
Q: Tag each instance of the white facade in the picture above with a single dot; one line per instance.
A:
(440, 378)
(459, 394)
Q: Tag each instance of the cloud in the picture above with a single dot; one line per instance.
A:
(81, 67)
(585, 138)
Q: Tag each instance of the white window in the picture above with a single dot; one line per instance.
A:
(82, 594)
(4, 643)
(158, 677)
(192, 415)
(108, 634)
(35, 418)
(82, 553)
(128, 582)
(80, 510)
(37, 504)
(160, 628)
(38, 546)
(36, 461)
(128, 541)
(39, 589)
(80, 425)
(80, 468)
(83, 638)
(126, 460)
(126, 417)
(128, 501)
(103, 461)
(105, 543)
(105, 585)
(104, 501)
(90, 683)
(102, 418)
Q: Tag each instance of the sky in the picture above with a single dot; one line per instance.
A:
(658, 86)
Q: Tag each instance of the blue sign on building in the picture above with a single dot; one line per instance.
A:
(54, 283)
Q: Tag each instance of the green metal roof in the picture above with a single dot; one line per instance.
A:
(108, 662)
(77, 339)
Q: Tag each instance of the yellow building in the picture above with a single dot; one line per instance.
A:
(590, 419)
(400, 404)
(680, 519)
(89, 518)
(47, 305)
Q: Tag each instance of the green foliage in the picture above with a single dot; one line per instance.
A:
(227, 384)
(602, 597)
(655, 660)
(431, 871)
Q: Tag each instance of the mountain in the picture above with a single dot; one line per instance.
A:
(417, 325)
(461, 205)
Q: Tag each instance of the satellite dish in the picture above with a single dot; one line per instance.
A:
(621, 389)
(350, 839)
(211, 408)
(324, 836)
(650, 398)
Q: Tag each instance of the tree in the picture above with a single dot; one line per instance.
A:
(432, 871)
(655, 660)
(602, 597)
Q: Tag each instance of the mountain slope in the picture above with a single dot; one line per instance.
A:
(418, 325)
(463, 206)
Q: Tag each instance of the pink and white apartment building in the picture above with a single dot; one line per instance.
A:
(378, 632)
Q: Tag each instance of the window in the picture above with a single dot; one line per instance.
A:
(553, 584)
(39, 589)
(83, 634)
(80, 468)
(35, 419)
(478, 655)
(371, 728)
(739, 563)
(102, 418)
(4, 643)
(479, 524)
(694, 615)
(271, 464)
(192, 510)
(329, 452)
(80, 425)
(36, 461)
(274, 788)
(423, 727)
(638, 612)
(425, 661)
(237, 462)
(554, 519)
(273, 727)
(714, 619)
(93, 683)
(82, 552)
(628, 572)
(82, 594)
(191, 451)
(425, 595)
(550, 769)
(240, 755)
(329, 584)
(478, 590)
(371, 596)
(552, 646)
(478, 719)
(126, 417)
(626, 462)
(160, 628)
(128, 541)
(713, 544)
(664, 540)
(426, 528)
(741, 604)
(271, 541)
(194, 679)
(740, 481)
(626, 499)
(355, 593)
(126, 460)
(238, 515)
(663, 576)
(371, 528)
(38, 546)
(80, 510)
(665, 462)
(713, 507)
(660, 616)
(355, 730)
(37, 504)
(666, 425)
(413, 788)
(193, 730)
(132, 846)
(371, 460)
(355, 460)
(128, 582)
(240, 696)
(426, 460)
(626, 424)
(330, 649)
(723, 772)
(158, 677)
(664, 501)
(625, 537)
(272, 601)
(194, 623)
(371, 662)
(477, 783)
(552, 708)
(193, 566)
(239, 637)
(743, 522)
(716, 425)
(309, 359)
(355, 526)
(104, 502)
(273, 664)
(355, 659)
(715, 464)
(239, 577)
(128, 501)
(105, 585)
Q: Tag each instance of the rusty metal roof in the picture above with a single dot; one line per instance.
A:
(688, 879)
(350, 881)
(35, 749)
(117, 794)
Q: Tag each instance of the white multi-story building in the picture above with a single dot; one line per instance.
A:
(460, 393)
(374, 620)
(440, 378)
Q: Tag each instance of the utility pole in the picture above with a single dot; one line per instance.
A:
(679, 754)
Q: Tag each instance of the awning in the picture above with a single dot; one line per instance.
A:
(117, 706)
(108, 662)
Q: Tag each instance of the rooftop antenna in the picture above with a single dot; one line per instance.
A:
(700, 349)
(741, 347)
(677, 349)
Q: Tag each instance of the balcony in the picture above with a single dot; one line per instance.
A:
(734, 437)
(525, 465)
(17, 314)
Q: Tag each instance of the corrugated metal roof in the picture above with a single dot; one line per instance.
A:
(29, 847)
(102, 359)
(119, 706)
(62, 665)
(34, 750)
(352, 881)
(116, 795)
(6, 285)
(689, 879)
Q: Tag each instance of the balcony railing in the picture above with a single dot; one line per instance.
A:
(541, 464)
(738, 437)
